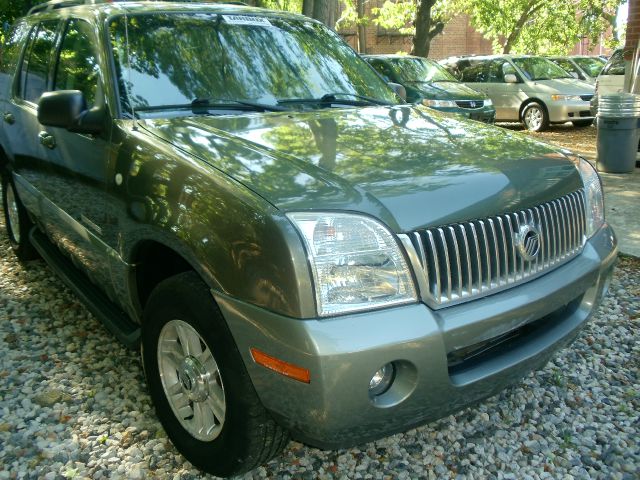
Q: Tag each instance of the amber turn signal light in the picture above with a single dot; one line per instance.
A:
(280, 366)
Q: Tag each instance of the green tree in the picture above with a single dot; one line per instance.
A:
(12, 9)
(422, 19)
(537, 26)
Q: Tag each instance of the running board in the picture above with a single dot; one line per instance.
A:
(113, 318)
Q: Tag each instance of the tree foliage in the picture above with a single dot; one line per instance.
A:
(12, 9)
(537, 26)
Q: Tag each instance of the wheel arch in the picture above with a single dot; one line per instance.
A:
(154, 262)
(529, 101)
(4, 161)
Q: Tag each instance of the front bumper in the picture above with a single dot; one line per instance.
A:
(561, 111)
(335, 409)
(483, 114)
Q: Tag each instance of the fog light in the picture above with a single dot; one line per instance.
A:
(382, 380)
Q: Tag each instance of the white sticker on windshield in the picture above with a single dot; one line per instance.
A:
(246, 20)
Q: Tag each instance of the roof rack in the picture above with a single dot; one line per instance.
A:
(56, 4)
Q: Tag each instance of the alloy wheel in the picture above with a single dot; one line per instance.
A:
(13, 214)
(533, 118)
(191, 380)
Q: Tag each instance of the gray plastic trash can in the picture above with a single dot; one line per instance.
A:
(617, 139)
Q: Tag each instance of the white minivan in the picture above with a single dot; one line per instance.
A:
(611, 79)
(527, 89)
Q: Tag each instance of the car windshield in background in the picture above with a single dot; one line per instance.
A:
(538, 68)
(178, 60)
(417, 70)
(593, 66)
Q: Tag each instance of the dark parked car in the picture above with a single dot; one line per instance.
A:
(427, 82)
(294, 250)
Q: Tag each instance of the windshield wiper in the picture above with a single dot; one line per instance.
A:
(332, 98)
(209, 103)
(206, 104)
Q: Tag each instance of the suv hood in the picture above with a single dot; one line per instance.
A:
(411, 167)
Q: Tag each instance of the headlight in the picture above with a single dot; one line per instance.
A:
(593, 196)
(430, 102)
(356, 262)
(488, 102)
(566, 98)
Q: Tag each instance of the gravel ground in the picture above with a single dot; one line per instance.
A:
(73, 403)
(579, 140)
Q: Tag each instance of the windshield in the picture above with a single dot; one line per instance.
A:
(538, 68)
(175, 59)
(419, 70)
(593, 66)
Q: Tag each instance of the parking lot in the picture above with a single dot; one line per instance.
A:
(73, 401)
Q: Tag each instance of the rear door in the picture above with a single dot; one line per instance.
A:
(20, 114)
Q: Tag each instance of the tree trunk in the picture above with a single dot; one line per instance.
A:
(322, 10)
(307, 7)
(532, 8)
(362, 29)
(425, 31)
(421, 41)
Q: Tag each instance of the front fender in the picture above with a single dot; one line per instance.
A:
(239, 243)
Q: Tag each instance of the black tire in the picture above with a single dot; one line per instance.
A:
(16, 221)
(535, 117)
(582, 123)
(247, 436)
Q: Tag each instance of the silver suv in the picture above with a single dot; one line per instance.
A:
(528, 89)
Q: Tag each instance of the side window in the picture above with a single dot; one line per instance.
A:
(473, 72)
(35, 66)
(507, 68)
(77, 67)
(12, 48)
(10, 57)
(566, 65)
(382, 69)
(494, 72)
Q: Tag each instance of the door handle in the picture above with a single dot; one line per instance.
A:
(47, 139)
(9, 118)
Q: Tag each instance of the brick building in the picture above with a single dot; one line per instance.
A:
(633, 27)
(457, 38)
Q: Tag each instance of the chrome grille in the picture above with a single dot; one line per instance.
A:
(470, 103)
(477, 258)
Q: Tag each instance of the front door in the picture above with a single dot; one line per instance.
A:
(507, 97)
(70, 174)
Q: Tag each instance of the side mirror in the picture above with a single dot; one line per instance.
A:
(510, 78)
(399, 89)
(574, 74)
(68, 109)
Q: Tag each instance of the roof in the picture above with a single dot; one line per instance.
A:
(106, 8)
